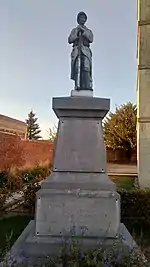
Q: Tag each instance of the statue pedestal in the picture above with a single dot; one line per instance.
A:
(77, 199)
(85, 93)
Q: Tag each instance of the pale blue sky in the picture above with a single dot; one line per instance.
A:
(35, 55)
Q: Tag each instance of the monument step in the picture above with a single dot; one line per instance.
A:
(76, 180)
(33, 250)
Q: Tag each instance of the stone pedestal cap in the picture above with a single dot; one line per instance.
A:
(90, 107)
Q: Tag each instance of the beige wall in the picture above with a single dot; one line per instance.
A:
(12, 125)
(143, 10)
(143, 93)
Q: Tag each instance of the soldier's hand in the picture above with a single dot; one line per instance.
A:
(80, 30)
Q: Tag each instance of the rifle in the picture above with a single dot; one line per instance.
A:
(79, 62)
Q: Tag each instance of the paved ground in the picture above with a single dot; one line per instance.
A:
(118, 169)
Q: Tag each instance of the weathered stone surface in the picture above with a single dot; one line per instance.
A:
(77, 199)
(143, 94)
(144, 153)
(31, 249)
(77, 209)
(75, 180)
(79, 93)
(143, 10)
(82, 107)
(80, 146)
(44, 245)
(84, 192)
(144, 55)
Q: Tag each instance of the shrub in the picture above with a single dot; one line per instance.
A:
(135, 206)
(14, 182)
(110, 257)
(26, 176)
(30, 196)
(41, 171)
(38, 173)
(2, 200)
(10, 181)
(3, 178)
(3, 196)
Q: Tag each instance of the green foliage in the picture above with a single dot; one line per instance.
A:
(30, 196)
(110, 257)
(135, 206)
(52, 133)
(120, 128)
(3, 178)
(33, 128)
(33, 176)
(4, 194)
(10, 181)
(38, 173)
(12, 228)
(3, 197)
(15, 181)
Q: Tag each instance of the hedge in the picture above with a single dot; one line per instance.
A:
(15, 181)
(38, 173)
(10, 183)
(30, 196)
(135, 206)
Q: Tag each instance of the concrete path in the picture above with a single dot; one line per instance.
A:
(121, 169)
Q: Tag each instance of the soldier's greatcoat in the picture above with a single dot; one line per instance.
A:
(87, 38)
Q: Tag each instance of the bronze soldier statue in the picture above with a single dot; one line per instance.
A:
(81, 55)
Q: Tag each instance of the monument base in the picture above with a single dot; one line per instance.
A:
(85, 93)
(78, 200)
(30, 249)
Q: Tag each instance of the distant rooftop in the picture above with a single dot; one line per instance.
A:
(11, 125)
(11, 119)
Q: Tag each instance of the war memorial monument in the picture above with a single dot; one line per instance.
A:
(78, 196)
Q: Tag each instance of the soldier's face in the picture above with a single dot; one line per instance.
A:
(82, 20)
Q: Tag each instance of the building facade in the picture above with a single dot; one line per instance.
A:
(143, 93)
(12, 126)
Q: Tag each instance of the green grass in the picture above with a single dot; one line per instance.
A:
(12, 227)
(142, 237)
(123, 182)
(141, 234)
